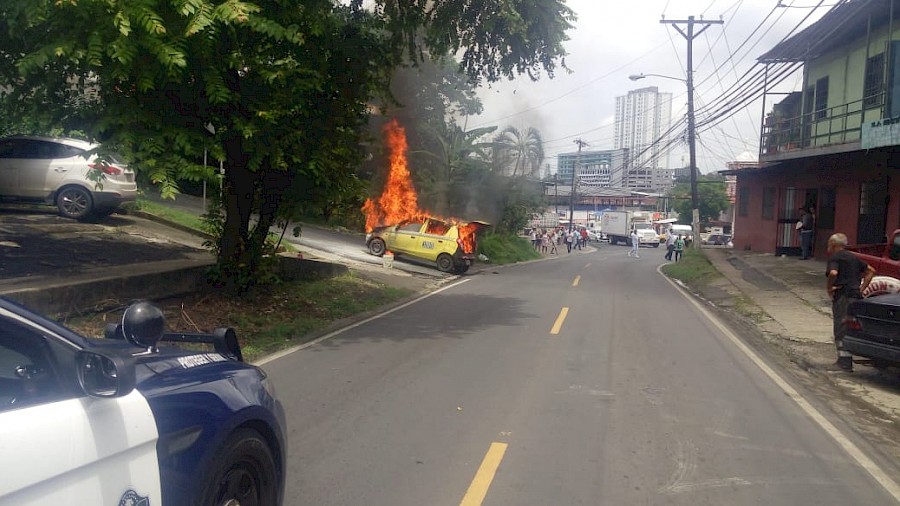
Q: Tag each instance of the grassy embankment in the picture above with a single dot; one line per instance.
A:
(506, 249)
(693, 269)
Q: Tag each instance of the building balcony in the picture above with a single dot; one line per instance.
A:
(788, 134)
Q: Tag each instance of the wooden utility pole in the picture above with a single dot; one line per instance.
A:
(690, 35)
(575, 170)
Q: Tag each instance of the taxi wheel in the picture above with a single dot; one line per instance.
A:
(376, 247)
(246, 473)
(445, 263)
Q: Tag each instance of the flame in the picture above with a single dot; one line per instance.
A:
(398, 202)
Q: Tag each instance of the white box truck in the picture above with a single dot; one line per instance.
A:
(617, 226)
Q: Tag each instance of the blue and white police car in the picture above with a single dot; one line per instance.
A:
(122, 420)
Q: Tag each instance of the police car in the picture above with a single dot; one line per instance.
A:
(123, 420)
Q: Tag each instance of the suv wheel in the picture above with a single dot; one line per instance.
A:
(74, 202)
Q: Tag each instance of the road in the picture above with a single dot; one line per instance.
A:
(588, 379)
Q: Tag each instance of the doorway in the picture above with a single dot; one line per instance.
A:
(787, 239)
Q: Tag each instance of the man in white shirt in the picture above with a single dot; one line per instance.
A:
(635, 244)
(670, 244)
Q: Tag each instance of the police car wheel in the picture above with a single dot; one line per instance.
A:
(246, 473)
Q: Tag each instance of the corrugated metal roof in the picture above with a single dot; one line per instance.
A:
(846, 22)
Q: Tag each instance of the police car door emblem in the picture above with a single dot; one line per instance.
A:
(132, 499)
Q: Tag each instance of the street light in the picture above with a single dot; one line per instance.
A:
(635, 77)
(692, 149)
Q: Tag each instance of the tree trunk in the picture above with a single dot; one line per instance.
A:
(239, 189)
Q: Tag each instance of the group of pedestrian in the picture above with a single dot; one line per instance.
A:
(674, 246)
(546, 242)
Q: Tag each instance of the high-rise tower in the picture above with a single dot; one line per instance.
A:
(643, 118)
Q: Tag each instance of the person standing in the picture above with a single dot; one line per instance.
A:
(848, 277)
(534, 237)
(554, 239)
(807, 228)
(670, 245)
(635, 244)
(570, 236)
(679, 247)
(545, 242)
(584, 237)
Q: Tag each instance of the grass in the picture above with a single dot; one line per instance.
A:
(692, 269)
(267, 320)
(164, 212)
(506, 248)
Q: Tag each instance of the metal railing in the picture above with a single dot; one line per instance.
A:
(841, 124)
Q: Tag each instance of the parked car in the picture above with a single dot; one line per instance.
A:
(718, 240)
(451, 246)
(873, 330)
(122, 420)
(66, 173)
(594, 235)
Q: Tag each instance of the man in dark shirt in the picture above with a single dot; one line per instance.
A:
(848, 277)
(807, 228)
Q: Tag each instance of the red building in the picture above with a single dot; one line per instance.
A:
(834, 144)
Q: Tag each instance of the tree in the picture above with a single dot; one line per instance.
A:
(711, 195)
(277, 89)
(521, 150)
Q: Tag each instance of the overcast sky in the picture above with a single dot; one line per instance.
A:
(614, 39)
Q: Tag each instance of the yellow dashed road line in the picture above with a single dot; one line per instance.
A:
(478, 489)
(559, 320)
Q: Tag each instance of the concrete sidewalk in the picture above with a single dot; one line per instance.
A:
(797, 317)
(790, 291)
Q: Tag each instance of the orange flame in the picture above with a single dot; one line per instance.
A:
(398, 202)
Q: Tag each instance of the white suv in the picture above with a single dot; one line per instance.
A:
(63, 172)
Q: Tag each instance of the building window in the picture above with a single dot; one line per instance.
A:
(821, 97)
(872, 90)
(768, 203)
(743, 201)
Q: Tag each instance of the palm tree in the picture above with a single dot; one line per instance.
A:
(521, 150)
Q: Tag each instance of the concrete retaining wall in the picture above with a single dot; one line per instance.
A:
(59, 298)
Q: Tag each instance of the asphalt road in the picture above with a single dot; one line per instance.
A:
(587, 379)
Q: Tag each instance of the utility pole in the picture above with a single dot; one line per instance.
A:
(690, 35)
(575, 170)
(556, 191)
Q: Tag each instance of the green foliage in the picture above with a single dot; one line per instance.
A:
(278, 90)
(519, 152)
(520, 199)
(711, 195)
(506, 248)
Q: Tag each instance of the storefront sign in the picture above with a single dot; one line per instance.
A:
(885, 132)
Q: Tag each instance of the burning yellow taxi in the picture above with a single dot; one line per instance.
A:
(451, 246)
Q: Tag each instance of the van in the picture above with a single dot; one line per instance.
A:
(683, 230)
